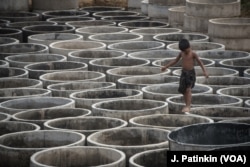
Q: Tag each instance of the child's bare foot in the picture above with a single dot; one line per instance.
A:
(186, 109)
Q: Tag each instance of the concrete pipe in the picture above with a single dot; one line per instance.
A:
(247, 73)
(4, 64)
(138, 82)
(176, 16)
(7, 72)
(153, 55)
(220, 113)
(5, 117)
(63, 13)
(94, 9)
(3, 23)
(99, 15)
(102, 65)
(134, 4)
(130, 140)
(119, 19)
(40, 116)
(94, 23)
(149, 158)
(79, 156)
(158, 11)
(136, 46)
(109, 38)
(212, 71)
(171, 38)
(144, 7)
(219, 82)
(20, 25)
(114, 74)
(85, 125)
(238, 120)
(88, 55)
(8, 41)
(88, 31)
(54, 5)
(63, 20)
(65, 47)
(161, 92)
(247, 103)
(17, 105)
(143, 24)
(50, 38)
(129, 108)
(200, 46)
(176, 103)
(20, 83)
(17, 93)
(199, 137)
(22, 60)
(65, 89)
(85, 99)
(218, 56)
(240, 64)
(11, 33)
(14, 126)
(149, 33)
(240, 92)
(25, 144)
(22, 48)
(167, 121)
(37, 69)
(234, 148)
(19, 16)
(71, 76)
(43, 29)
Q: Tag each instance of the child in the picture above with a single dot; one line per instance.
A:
(187, 79)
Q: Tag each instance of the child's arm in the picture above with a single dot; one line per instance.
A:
(201, 65)
(171, 63)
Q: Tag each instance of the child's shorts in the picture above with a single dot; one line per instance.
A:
(187, 79)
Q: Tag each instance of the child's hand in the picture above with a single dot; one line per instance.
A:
(163, 68)
(206, 74)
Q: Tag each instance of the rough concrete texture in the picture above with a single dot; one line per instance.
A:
(3, 22)
(94, 9)
(5, 117)
(88, 55)
(136, 46)
(99, 15)
(176, 37)
(158, 11)
(37, 69)
(79, 156)
(247, 73)
(198, 137)
(233, 148)
(247, 103)
(129, 108)
(20, 25)
(17, 93)
(144, 7)
(176, 16)
(65, 89)
(49, 38)
(238, 120)
(130, 140)
(4, 64)
(220, 113)
(143, 24)
(19, 16)
(63, 20)
(218, 82)
(85, 125)
(21, 60)
(54, 5)
(20, 83)
(240, 64)
(11, 33)
(10, 5)
(17, 105)
(134, 4)
(63, 13)
(167, 121)
(24, 144)
(114, 74)
(65, 47)
(119, 19)
(88, 31)
(9, 72)
(85, 99)
(149, 158)
(81, 24)
(40, 116)
(138, 82)
(71, 76)
(176, 103)
(163, 91)
(240, 92)
(7, 41)
(22, 48)
(149, 33)
(168, 2)
(102, 65)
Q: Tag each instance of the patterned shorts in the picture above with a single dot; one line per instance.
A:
(187, 80)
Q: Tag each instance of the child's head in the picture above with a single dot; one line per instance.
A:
(184, 45)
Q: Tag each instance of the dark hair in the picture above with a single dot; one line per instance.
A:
(184, 44)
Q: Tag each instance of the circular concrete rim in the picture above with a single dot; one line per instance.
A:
(163, 24)
(222, 62)
(74, 95)
(202, 145)
(89, 139)
(28, 28)
(16, 116)
(36, 36)
(55, 13)
(8, 117)
(136, 37)
(235, 120)
(38, 83)
(122, 158)
(231, 21)
(89, 29)
(204, 55)
(133, 122)
(212, 4)
(123, 13)
(63, 20)
(15, 31)
(247, 72)
(247, 102)
(36, 127)
(137, 31)
(138, 54)
(106, 8)
(220, 91)
(83, 138)
(222, 77)
(30, 15)
(23, 71)
(180, 9)
(123, 123)
(24, 23)
(116, 18)
(11, 41)
(205, 37)
(4, 21)
(4, 63)
(77, 24)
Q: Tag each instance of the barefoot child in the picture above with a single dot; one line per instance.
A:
(187, 79)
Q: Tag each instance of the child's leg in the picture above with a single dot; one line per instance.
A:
(188, 98)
